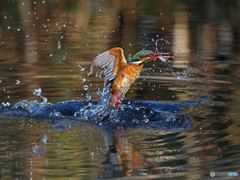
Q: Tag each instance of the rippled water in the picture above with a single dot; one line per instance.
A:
(179, 120)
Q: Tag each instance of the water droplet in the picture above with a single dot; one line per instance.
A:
(44, 139)
(98, 92)
(81, 68)
(18, 81)
(51, 54)
(63, 57)
(85, 87)
(0, 81)
(88, 96)
(162, 28)
(37, 91)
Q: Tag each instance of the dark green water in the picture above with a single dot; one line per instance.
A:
(42, 44)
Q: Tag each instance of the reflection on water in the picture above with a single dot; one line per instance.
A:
(50, 44)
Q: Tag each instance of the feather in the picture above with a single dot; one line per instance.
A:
(113, 61)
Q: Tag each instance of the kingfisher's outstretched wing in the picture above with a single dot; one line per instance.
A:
(113, 61)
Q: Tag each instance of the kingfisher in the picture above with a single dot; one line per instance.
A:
(121, 71)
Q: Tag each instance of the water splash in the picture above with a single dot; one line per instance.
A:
(38, 92)
(128, 115)
(154, 43)
(161, 39)
(98, 111)
(81, 68)
(91, 70)
(44, 139)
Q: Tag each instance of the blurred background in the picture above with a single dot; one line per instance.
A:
(51, 43)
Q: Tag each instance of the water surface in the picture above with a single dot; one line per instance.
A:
(191, 102)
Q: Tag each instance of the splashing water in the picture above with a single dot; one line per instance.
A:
(130, 114)
(98, 111)
(44, 139)
(154, 43)
(38, 92)
(81, 68)
(91, 70)
(186, 72)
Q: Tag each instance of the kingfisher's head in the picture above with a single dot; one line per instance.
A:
(145, 56)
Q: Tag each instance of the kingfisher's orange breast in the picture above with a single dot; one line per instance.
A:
(125, 78)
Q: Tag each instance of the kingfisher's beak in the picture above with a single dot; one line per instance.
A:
(154, 56)
(162, 56)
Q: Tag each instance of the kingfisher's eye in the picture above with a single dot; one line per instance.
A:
(149, 55)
